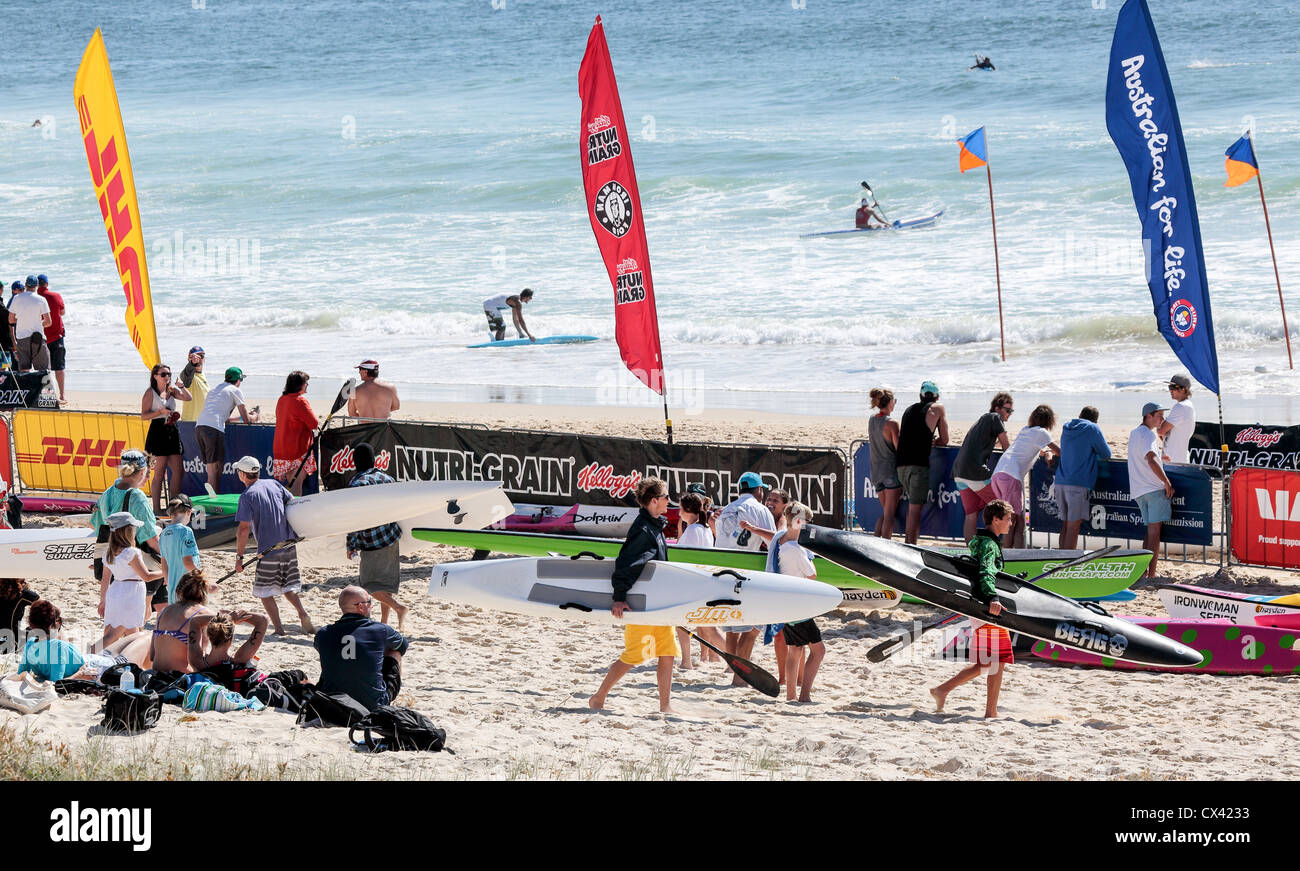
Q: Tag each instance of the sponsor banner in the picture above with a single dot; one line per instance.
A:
(1253, 445)
(1112, 513)
(73, 451)
(942, 516)
(104, 139)
(6, 459)
(1265, 527)
(25, 390)
(242, 439)
(568, 469)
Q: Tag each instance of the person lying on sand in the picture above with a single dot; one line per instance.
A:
(49, 657)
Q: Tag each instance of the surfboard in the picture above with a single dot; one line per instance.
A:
(46, 553)
(36, 504)
(667, 594)
(1028, 609)
(1104, 577)
(1186, 602)
(1225, 648)
(909, 224)
(544, 340)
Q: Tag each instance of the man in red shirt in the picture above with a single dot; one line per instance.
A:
(294, 424)
(54, 332)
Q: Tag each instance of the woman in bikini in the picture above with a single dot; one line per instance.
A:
(171, 640)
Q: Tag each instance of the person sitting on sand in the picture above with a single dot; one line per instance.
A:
(235, 671)
(172, 638)
(15, 598)
(49, 657)
(990, 646)
(645, 542)
(123, 602)
(360, 656)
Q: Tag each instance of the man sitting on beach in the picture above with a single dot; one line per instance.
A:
(262, 511)
(374, 398)
(359, 656)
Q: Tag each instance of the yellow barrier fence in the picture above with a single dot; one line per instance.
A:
(73, 451)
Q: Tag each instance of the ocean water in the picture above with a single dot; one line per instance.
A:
(322, 182)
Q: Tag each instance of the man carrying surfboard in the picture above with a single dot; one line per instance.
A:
(492, 307)
(645, 542)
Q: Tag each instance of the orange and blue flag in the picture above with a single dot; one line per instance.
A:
(1241, 163)
(974, 153)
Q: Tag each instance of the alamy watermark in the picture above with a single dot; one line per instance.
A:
(200, 257)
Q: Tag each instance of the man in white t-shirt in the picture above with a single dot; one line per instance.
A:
(30, 315)
(746, 506)
(210, 427)
(1148, 484)
(492, 307)
(1180, 422)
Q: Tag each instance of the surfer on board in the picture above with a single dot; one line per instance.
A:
(869, 210)
(981, 63)
(990, 646)
(515, 302)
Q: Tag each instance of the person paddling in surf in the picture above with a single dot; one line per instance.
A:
(515, 303)
(981, 63)
(645, 542)
(990, 646)
(869, 210)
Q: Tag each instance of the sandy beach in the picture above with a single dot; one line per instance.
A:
(512, 691)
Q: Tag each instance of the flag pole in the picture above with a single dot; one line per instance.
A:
(1276, 276)
(1223, 484)
(996, 266)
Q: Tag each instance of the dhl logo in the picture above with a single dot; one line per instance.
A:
(86, 452)
(716, 616)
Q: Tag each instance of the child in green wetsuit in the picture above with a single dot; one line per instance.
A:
(990, 646)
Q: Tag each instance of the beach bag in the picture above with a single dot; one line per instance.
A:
(331, 709)
(130, 712)
(27, 695)
(398, 729)
(72, 686)
(112, 675)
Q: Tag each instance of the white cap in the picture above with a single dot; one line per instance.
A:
(248, 465)
(118, 519)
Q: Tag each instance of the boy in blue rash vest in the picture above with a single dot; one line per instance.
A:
(1083, 452)
(645, 542)
(990, 646)
(180, 553)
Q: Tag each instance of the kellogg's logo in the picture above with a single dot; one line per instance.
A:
(343, 461)
(603, 143)
(596, 477)
(1255, 436)
(598, 123)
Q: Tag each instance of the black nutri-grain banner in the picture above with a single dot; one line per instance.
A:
(1255, 445)
(566, 469)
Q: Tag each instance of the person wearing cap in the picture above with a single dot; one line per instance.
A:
(30, 315)
(1180, 422)
(193, 380)
(923, 426)
(262, 512)
(122, 593)
(180, 552)
(492, 307)
(374, 397)
(210, 427)
(54, 331)
(1148, 484)
(125, 494)
(381, 570)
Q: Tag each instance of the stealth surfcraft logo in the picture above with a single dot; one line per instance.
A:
(613, 208)
(630, 286)
(1182, 317)
(602, 141)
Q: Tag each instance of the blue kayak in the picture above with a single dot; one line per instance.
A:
(544, 340)
(910, 224)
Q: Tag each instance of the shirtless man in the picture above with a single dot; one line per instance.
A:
(497, 325)
(374, 397)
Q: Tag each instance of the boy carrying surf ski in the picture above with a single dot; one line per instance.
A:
(990, 646)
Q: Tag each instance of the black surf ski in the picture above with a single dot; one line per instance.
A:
(946, 581)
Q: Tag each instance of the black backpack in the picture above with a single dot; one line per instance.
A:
(130, 712)
(331, 709)
(112, 676)
(399, 729)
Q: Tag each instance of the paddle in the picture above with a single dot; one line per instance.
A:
(878, 206)
(761, 680)
(345, 393)
(890, 646)
(290, 542)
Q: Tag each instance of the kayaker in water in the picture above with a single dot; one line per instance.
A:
(982, 63)
(515, 302)
(869, 210)
(990, 646)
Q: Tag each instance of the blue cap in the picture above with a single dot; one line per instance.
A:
(750, 480)
(17, 285)
(197, 349)
(42, 279)
(929, 387)
(31, 281)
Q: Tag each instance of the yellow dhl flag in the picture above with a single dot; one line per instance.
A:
(110, 172)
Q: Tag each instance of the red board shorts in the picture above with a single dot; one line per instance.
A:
(282, 470)
(991, 644)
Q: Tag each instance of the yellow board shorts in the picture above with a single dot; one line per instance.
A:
(641, 643)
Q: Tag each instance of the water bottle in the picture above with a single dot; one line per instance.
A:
(128, 681)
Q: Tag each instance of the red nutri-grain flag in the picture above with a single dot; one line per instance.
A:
(614, 207)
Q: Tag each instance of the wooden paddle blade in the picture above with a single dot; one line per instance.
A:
(763, 681)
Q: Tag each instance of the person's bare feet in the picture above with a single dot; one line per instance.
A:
(804, 697)
(939, 698)
(596, 703)
(401, 616)
(307, 625)
(667, 709)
